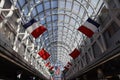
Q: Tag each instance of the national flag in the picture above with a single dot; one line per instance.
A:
(47, 64)
(57, 72)
(51, 72)
(51, 67)
(29, 23)
(56, 67)
(75, 53)
(44, 54)
(34, 28)
(68, 65)
(52, 78)
(89, 27)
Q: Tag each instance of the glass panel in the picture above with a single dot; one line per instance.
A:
(22, 2)
(40, 8)
(68, 5)
(48, 18)
(26, 11)
(34, 12)
(54, 4)
(47, 5)
(54, 17)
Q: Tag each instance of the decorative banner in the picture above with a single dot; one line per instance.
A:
(47, 64)
(68, 66)
(89, 27)
(51, 67)
(44, 54)
(57, 72)
(34, 28)
(75, 53)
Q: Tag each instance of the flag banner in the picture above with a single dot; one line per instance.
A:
(75, 53)
(51, 72)
(89, 27)
(47, 64)
(34, 28)
(29, 23)
(52, 78)
(68, 65)
(57, 72)
(44, 54)
(38, 31)
(56, 67)
(51, 67)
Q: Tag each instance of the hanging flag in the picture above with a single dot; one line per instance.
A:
(47, 64)
(51, 72)
(75, 53)
(29, 23)
(52, 78)
(44, 54)
(34, 28)
(89, 27)
(68, 66)
(51, 67)
(57, 72)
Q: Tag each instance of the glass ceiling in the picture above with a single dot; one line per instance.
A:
(61, 18)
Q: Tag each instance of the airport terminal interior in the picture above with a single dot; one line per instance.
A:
(59, 39)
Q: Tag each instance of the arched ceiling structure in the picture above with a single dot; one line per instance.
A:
(61, 18)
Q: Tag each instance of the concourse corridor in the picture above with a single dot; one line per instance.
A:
(59, 39)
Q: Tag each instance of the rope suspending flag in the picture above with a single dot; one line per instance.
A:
(89, 27)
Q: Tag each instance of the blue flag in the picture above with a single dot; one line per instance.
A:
(29, 23)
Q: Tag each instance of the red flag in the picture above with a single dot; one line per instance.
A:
(34, 28)
(51, 67)
(57, 71)
(75, 53)
(68, 65)
(38, 31)
(89, 27)
(47, 64)
(45, 55)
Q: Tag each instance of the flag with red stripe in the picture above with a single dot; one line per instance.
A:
(75, 53)
(44, 54)
(34, 28)
(57, 72)
(89, 27)
(68, 66)
(47, 64)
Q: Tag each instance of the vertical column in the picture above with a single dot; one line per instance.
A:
(119, 76)
(100, 74)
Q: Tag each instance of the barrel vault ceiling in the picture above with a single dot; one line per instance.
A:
(61, 18)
